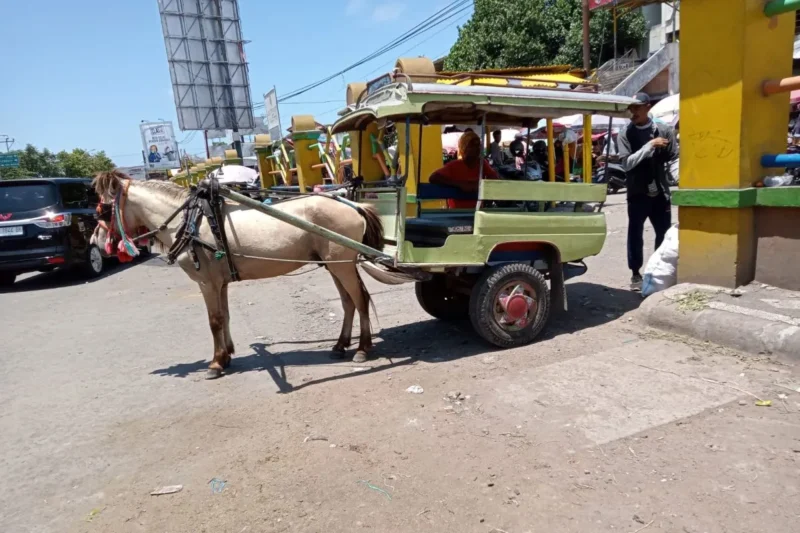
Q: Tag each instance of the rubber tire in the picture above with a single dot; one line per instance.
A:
(88, 269)
(439, 302)
(481, 305)
(7, 279)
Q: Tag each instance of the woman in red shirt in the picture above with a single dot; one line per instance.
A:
(464, 174)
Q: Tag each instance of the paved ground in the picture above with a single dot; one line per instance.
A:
(600, 426)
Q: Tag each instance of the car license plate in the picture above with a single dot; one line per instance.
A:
(11, 231)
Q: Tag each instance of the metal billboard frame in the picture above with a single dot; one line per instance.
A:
(207, 64)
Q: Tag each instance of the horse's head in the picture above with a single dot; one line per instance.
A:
(111, 188)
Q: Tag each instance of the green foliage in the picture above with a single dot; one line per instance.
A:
(524, 33)
(46, 164)
(80, 163)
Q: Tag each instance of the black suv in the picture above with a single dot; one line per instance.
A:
(45, 224)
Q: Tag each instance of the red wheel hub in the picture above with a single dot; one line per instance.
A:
(515, 306)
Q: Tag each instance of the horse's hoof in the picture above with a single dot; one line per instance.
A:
(213, 373)
(360, 357)
(336, 354)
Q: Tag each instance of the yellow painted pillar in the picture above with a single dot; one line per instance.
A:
(198, 174)
(551, 151)
(305, 136)
(266, 163)
(364, 164)
(232, 158)
(214, 163)
(422, 161)
(587, 148)
(427, 155)
(728, 48)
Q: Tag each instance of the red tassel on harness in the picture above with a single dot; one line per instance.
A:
(122, 253)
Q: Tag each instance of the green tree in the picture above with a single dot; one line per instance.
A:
(33, 163)
(523, 33)
(46, 164)
(79, 163)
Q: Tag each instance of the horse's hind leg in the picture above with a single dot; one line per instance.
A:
(347, 275)
(349, 308)
(212, 295)
(228, 339)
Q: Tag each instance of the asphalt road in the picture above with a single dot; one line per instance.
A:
(602, 425)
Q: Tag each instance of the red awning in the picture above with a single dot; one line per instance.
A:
(597, 4)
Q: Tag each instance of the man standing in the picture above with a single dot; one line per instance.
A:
(645, 147)
(495, 150)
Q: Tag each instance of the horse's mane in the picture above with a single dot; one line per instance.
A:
(109, 183)
(167, 187)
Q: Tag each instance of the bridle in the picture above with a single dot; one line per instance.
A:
(204, 201)
(116, 229)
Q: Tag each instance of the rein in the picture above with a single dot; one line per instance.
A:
(126, 249)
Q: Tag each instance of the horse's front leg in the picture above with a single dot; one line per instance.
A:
(212, 295)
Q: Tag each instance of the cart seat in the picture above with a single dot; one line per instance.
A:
(432, 231)
(430, 191)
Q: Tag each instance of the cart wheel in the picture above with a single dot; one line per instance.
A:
(441, 303)
(510, 305)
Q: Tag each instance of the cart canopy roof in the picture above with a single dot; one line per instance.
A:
(468, 99)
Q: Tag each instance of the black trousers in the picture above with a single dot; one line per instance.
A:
(641, 207)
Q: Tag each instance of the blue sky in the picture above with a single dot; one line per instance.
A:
(84, 73)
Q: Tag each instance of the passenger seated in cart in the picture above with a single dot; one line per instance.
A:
(464, 173)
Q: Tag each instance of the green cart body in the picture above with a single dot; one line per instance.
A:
(502, 264)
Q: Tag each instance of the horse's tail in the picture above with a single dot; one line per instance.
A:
(373, 234)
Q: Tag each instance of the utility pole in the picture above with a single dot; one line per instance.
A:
(587, 61)
(8, 141)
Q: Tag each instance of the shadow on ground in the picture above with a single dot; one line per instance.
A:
(432, 341)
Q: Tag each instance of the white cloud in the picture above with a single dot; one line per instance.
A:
(354, 7)
(388, 12)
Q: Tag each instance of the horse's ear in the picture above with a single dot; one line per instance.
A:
(107, 184)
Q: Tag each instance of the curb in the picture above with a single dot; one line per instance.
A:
(736, 327)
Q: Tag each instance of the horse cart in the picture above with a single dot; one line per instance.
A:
(498, 255)
(491, 263)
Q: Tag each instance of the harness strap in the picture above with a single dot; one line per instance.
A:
(203, 202)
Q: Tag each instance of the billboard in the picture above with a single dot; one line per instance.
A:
(136, 173)
(207, 64)
(158, 143)
(273, 116)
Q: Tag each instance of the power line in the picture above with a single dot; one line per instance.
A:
(450, 16)
(339, 107)
(441, 16)
(416, 46)
(402, 54)
(434, 20)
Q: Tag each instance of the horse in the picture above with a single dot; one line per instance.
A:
(260, 247)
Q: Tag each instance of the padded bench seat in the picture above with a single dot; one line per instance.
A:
(432, 231)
